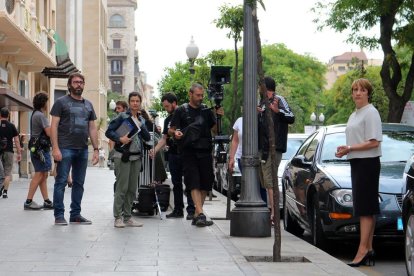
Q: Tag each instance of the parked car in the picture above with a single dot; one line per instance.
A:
(317, 191)
(408, 216)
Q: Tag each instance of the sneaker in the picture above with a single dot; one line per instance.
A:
(190, 216)
(132, 223)
(32, 206)
(61, 221)
(79, 220)
(175, 214)
(200, 220)
(5, 194)
(119, 223)
(48, 206)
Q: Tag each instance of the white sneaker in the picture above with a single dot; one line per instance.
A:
(32, 206)
(132, 223)
(119, 223)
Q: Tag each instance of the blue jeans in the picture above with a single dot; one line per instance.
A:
(78, 160)
(176, 170)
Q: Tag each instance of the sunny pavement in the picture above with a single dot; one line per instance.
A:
(32, 245)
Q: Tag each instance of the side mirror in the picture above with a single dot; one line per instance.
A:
(299, 161)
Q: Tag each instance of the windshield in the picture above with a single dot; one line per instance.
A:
(292, 147)
(395, 147)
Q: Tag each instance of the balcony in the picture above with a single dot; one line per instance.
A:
(22, 38)
(117, 52)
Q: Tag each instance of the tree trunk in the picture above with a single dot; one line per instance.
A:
(272, 142)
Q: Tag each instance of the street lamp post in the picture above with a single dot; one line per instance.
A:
(317, 120)
(192, 53)
(250, 217)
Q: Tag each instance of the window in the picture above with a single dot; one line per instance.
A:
(116, 21)
(59, 93)
(341, 68)
(116, 66)
(24, 88)
(116, 43)
(116, 86)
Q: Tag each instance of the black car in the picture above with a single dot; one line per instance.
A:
(317, 193)
(408, 216)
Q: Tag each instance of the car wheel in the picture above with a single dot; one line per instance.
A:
(318, 238)
(409, 245)
(289, 224)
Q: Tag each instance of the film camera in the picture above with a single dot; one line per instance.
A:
(219, 75)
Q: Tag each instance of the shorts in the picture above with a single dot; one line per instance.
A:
(7, 162)
(265, 171)
(38, 165)
(198, 171)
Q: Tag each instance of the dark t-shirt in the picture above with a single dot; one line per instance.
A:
(75, 115)
(172, 145)
(7, 132)
(181, 119)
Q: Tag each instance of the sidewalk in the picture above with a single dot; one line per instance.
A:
(31, 244)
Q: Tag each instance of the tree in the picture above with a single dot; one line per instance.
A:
(395, 20)
(232, 18)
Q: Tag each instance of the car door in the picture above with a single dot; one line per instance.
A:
(290, 180)
(304, 176)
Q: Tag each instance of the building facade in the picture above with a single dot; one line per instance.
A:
(121, 45)
(27, 45)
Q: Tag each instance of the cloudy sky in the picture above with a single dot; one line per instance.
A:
(164, 29)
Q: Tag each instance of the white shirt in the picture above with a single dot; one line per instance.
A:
(364, 125)
(238, 126)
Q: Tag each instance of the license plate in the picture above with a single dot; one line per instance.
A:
(399, 224)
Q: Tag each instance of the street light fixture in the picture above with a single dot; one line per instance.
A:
(317, 120)
(112, 105)
(192, 53)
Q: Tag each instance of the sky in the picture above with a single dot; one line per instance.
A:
(164, 29)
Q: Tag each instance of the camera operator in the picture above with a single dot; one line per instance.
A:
(169, 102)
(282, 116)
(191, 126)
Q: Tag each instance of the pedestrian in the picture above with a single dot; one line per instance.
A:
(170, 104)
(8, 135)
(282, 117)
(121, 106)
(236, 145)
(72, 123)
(363, 150)
(127, 157)
(191, 125)
(101, 157)
(39, 153)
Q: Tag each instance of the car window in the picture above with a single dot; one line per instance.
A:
(397, 146)
(292, 146)
(304, 146)
(311, 150)
(330, 143)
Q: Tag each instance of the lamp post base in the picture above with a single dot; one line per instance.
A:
(250, 222)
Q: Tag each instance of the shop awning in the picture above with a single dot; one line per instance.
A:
(64, 65)
(14, 101)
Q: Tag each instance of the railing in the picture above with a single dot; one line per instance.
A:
(27, 21)
(117, 52)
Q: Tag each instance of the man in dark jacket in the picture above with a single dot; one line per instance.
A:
(282, 117)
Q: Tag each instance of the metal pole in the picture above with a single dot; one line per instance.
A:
(250, 217)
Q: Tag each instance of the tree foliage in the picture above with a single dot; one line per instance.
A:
(394, 20)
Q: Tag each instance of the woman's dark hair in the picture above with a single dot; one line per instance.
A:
(40, 100)
(71, 76)
(169, 97)
(134, 94)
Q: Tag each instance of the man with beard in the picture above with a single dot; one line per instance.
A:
(72, 123)
(191, 125)
(169, 102)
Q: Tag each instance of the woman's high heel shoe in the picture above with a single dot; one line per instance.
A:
(370, 256)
